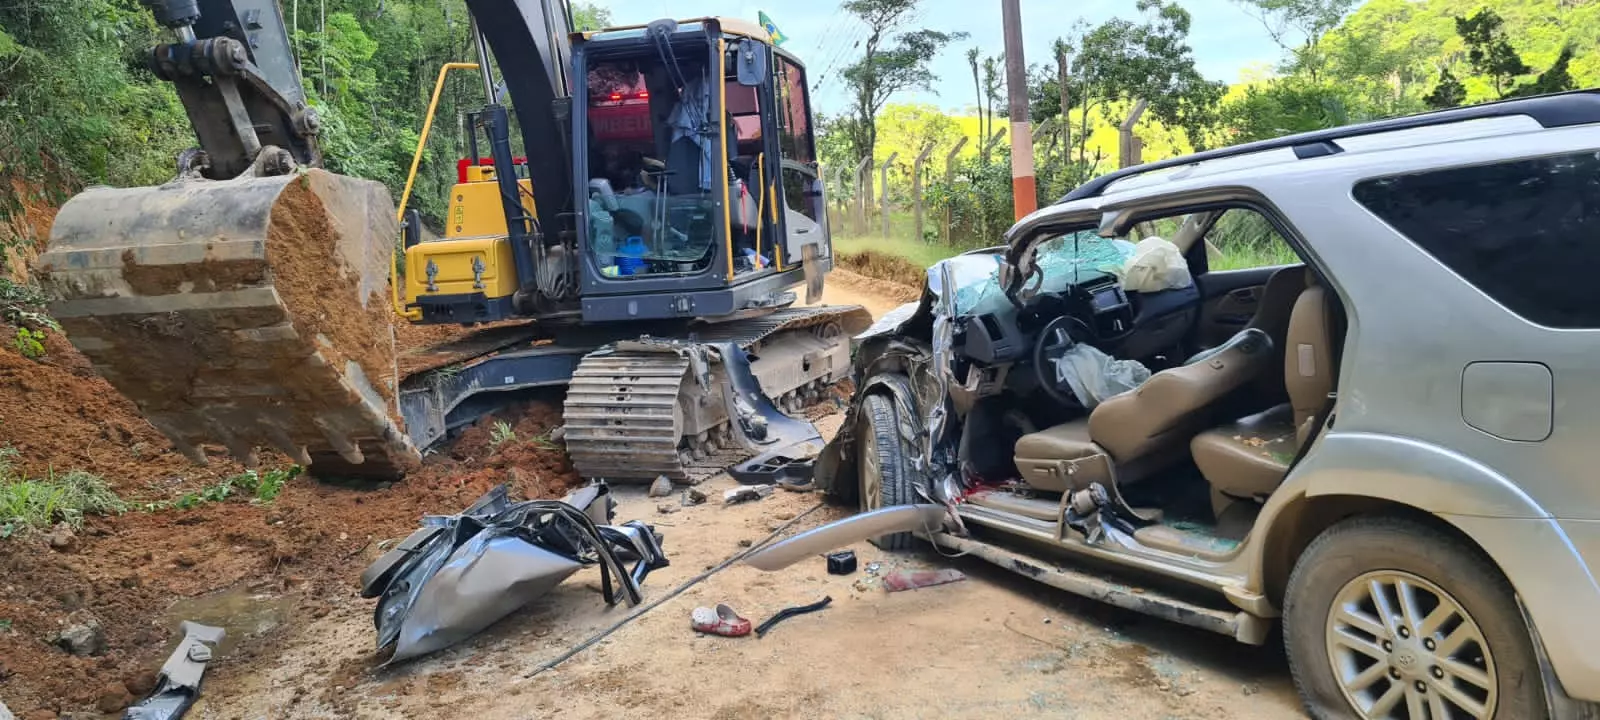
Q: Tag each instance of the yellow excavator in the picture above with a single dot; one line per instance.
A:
(646, 245)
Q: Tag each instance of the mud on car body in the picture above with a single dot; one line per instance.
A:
(1360, 404)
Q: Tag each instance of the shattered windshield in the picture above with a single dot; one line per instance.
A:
(1065, 260)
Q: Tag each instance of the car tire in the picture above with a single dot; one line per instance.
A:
(885, 463)
(1463, 637)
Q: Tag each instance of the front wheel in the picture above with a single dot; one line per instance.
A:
(1391, 618)
(885, 464)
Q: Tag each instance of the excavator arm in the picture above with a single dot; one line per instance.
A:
(246, 303)
(234, 70)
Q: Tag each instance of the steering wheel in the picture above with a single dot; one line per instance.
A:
(1054, 341)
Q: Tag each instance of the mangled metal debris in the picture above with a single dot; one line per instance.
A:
(178, 685)
(853, 529)
(460, 573)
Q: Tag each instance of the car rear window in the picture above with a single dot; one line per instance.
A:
(1526, 233)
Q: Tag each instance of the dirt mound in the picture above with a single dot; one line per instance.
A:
(59, 415)
(891, 268)
(123, 573)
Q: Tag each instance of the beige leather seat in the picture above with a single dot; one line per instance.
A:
(1247, 459)
(1273, 310)
(1144, 430)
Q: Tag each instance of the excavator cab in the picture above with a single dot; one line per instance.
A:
(694, 188)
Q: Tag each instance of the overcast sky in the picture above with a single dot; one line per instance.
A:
(1224, 38)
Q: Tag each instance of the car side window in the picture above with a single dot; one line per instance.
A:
(1520, 231)
(1244, 239)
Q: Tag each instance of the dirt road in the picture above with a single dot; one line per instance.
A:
(992, 646)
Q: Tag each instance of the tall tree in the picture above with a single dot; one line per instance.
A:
(893, 59)
(1449, 93)
(589, 16)
(1298, 26)
(1120, 61)
(1558, 78)
(1489, 51)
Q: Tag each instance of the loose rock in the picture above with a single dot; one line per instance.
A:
(113, 698)
(40, 714)
(662, 487)
(666, 508)
(62, 537)
(695, 496)
(82, 639)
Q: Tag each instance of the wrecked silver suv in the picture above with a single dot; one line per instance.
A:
(1384, 439)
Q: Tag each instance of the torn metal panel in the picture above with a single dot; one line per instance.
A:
(853, 529)
(763, 429)
(178, 685)
(461, 573)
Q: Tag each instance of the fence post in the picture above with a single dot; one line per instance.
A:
(883, 176)
(863, 180)
(949, 177)
(983, 217)
(1128, 145)
(916, 188)
(838, 192)
(988, 147)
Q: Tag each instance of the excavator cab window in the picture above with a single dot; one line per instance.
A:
(653, 169)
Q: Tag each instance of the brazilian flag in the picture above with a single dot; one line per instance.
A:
(778, 37)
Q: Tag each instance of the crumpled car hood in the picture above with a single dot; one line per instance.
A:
(458, 574)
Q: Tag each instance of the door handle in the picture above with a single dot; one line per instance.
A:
(1245, 295)
(1232, 319)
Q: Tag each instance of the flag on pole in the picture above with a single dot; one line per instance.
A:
(778, 37)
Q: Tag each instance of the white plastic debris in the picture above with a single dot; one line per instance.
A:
(1155, 265)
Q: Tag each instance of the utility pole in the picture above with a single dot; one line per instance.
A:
(1024, 192)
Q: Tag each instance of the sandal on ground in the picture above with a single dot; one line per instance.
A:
(721, 621)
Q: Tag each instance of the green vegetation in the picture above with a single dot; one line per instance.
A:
(260, 487)
(77, 105)
(501, 434)
(30, 343)
(35, 503)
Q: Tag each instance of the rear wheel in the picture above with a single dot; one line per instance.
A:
(885, 463)
(1390, 618)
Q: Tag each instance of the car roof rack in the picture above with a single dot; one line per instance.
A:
(1578, 107)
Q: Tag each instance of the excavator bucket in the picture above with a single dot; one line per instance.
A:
(242, 313)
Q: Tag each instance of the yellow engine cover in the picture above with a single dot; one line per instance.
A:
(475, 254)
(461, 267)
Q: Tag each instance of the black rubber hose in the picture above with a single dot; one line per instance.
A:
(691, 582)
(790, 612)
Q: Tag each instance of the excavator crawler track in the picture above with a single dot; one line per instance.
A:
(634, 414)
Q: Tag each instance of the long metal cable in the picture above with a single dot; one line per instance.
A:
(691, 582)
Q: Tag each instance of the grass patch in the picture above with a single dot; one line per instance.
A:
(501, 434)
(35, 503)
(922, 255)
(260, 487)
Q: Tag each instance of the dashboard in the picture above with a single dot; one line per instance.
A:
(1121, 323)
